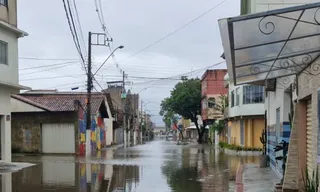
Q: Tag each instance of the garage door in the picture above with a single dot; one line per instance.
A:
(58, 138)
(309, 137)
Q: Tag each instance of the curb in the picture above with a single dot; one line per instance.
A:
(239, 179)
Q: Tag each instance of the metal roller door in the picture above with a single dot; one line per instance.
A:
(309, 137)
(58, 138)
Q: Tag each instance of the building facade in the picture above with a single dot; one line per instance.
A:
(289, 71)
(9, 75)
(212, 87)
(245, 115)
(55, 122)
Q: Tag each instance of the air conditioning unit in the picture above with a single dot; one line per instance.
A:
(271, 84)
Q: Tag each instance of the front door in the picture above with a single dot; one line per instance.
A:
(241, 133)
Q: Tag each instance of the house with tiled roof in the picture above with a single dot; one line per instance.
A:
(54, 122)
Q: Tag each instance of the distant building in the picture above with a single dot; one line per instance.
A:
(212, 88)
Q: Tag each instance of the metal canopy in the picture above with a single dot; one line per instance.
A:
(272, 44)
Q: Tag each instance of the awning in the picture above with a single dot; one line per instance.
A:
(272, 44)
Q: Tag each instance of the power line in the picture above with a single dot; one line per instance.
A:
(175, 31)
(66, 65)
(49, 59)
(55, 64)
(56, 77)
(73, 33)
(79, 26)
(184, 74)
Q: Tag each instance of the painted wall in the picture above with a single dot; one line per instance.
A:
(26, 129)
(9, 73)
(252, 132)
(109, 131)
(19, 106)
(264, 5)
(243, 109)
(9, 14)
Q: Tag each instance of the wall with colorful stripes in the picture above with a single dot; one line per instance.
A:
(272, 142)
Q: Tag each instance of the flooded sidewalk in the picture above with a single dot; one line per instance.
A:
(252, 178)
(158, 166)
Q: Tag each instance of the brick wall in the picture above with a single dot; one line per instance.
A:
(26, 128)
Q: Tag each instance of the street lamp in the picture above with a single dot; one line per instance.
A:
(120, 47)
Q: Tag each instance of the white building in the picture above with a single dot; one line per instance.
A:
(9, 75)
(245, 114)
(271, 48)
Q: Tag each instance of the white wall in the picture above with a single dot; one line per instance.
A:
(264, 5)
(9, 73)
(19, 106)
(109, 131)
(243, 109)
(278, 99)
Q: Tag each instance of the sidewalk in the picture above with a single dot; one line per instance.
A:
(252, 178)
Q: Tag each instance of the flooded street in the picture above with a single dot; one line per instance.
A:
(158, 166)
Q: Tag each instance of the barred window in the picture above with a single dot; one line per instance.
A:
(253, 94)
(3, 53)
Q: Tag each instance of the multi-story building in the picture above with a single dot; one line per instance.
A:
(9, 75)
(212, 87)
(245, 114)
(266, 49)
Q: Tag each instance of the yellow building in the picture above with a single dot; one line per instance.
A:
(245, 115)
(245, 132)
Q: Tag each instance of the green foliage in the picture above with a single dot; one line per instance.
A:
(263, 141)
(185, 100)
(238, 148)
(282, 146)
(311, 181)
(219, 126)
(223, 103)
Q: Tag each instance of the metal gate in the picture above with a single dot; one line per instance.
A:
(58, 138)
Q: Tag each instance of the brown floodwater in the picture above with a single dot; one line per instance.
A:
(157, 166)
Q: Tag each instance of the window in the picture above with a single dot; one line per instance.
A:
(211, 102)
(3, 52)
(232, 98)
(4, 2)
(237, 96)
(204, 104)
(253, 94)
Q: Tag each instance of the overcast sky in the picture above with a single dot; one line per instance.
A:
(133, 24)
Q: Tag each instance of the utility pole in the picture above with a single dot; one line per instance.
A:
(124, 108)
(104, 42)
(89, 85)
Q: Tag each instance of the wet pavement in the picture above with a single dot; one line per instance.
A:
(157, 166)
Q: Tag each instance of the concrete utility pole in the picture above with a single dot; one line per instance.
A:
(124, 98)
(90, 76)
(141, 121)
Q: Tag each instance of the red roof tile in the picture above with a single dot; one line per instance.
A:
(61, 102)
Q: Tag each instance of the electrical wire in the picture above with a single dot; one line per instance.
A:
(56, 64)
(66, 65)
(175, 31)
(80, 27)
(73, 33)
(50, 59)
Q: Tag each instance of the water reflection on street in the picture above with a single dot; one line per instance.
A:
(158, 166)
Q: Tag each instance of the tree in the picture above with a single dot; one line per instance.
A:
(185, 100)
(223, 103)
